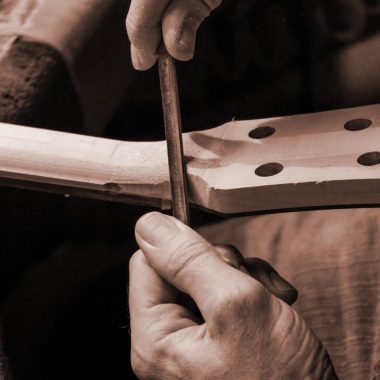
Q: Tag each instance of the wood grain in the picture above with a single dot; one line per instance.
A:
(316, 156)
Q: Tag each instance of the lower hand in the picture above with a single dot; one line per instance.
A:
(245, 331)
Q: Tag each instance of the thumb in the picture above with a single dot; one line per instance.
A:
(191, 264)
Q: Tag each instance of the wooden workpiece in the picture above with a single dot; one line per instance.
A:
(313, 160)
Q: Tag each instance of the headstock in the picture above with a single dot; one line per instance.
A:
(312, 160)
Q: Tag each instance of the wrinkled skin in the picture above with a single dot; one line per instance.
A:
(245, 331)
(175, 20)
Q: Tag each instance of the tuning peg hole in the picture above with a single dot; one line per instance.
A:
(270, 169)
(357, 124)
(261, 132)
(369, 159)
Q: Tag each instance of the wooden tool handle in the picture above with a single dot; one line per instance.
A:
(173, 132)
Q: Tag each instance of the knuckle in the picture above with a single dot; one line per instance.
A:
(255, 298)
(134, 30)
(239, 305)
(136, 260)
(140, 366)
(229, 254)
(211, 4)
(137, 367)
(187, 12)
(149, 361)
(195, 17)
(185, 256)
(237, 300)
(140, 31)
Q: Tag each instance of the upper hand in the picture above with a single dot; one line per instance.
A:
(176, 21)
(245, 332)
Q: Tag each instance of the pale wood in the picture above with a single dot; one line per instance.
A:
(318, 154)
(70, 161)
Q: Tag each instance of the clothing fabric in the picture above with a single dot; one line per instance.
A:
(333, 259)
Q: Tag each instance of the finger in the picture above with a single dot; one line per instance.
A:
(144, 31)
(188, 262)
(143, 59)
(260, 270)
(269, 277)
(180, 23)
(152, 302)
(146, 288)
(231, 256)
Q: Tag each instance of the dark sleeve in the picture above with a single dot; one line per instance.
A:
(261, 58)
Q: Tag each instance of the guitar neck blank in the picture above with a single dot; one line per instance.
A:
(313, 160)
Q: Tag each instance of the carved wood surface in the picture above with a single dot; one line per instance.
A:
(313, 160)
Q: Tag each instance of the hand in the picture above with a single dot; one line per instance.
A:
(244, 333)
(176, 20)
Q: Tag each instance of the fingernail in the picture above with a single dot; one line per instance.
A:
(243, 268)
(187, 41)
(136, 61)
(279, 282)
(140, 60)
(229, 255)
(180, 43)
(156, 228)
